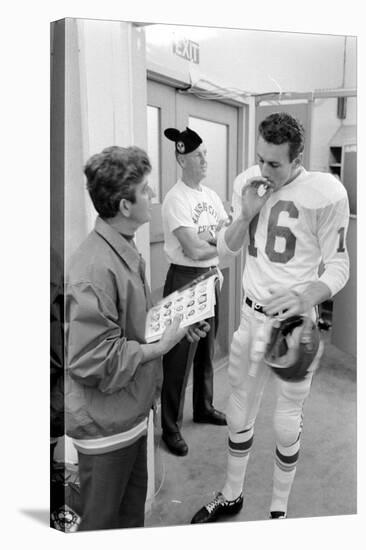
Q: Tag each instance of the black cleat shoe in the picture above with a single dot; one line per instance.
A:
(212, 417)
(218, 507)
(278, 515)
(175, 443)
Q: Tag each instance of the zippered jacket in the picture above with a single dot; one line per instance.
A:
(109, 392)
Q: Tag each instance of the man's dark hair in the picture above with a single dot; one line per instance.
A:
(113, 174)
(281, 128)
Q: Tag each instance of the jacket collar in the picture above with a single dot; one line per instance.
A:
(116, 240)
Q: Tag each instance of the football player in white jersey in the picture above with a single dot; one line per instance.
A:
(294, 221)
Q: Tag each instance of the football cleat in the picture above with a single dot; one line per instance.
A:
(218, 507)
(278, 515)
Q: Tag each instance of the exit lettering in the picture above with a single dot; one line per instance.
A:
(187, 49)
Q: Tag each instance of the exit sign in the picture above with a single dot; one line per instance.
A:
(187, 49)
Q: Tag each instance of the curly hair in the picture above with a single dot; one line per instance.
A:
(113, 174)
(280, 128)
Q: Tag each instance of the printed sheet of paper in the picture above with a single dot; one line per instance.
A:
(194, 302)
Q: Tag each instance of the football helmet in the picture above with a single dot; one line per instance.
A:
(292, 346)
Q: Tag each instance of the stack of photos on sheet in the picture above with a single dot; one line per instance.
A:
(193, 302)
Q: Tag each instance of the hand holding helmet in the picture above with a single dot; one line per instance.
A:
(293, 345)
(286, 302)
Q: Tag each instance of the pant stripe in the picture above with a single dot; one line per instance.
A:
(286, 463)
(285, 468)
(287, 459)
(242, 446)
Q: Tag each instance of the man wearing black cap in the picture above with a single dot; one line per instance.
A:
(191, 215)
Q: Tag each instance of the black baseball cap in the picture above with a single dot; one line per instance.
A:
(185, 142)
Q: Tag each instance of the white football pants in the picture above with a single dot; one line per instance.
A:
(247, 379)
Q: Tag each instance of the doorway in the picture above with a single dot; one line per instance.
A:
(217, 124)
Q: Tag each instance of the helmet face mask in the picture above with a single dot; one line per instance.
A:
(292, 347)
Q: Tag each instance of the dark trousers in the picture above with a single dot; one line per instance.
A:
(113, 487)
(177, 363)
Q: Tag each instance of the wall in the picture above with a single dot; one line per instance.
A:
(106, 105)
(76, 205)
(324, 126)
(324, 119)
(253, 61)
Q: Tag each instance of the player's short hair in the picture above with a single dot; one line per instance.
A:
(113, 174)
(280, 128)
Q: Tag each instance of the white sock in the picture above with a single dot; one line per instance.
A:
(283, 475)
(239, 446)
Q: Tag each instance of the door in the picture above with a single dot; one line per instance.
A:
(217, 124)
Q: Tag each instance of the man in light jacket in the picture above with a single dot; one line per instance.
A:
(113, 377)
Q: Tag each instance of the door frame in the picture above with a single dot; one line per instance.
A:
(245, 154)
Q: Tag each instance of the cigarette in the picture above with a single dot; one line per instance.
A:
(262, 188)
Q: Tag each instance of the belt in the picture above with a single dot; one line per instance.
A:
(254, 306)
(258, 308)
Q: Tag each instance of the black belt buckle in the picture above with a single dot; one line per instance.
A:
(259, 308)
(255, 306)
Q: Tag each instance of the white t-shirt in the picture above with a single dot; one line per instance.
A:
(183, 206)
(301, 225)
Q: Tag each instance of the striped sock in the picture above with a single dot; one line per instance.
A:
(239, 446)
(284, 474)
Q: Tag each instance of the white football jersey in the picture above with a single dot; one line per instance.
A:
(299, 235)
